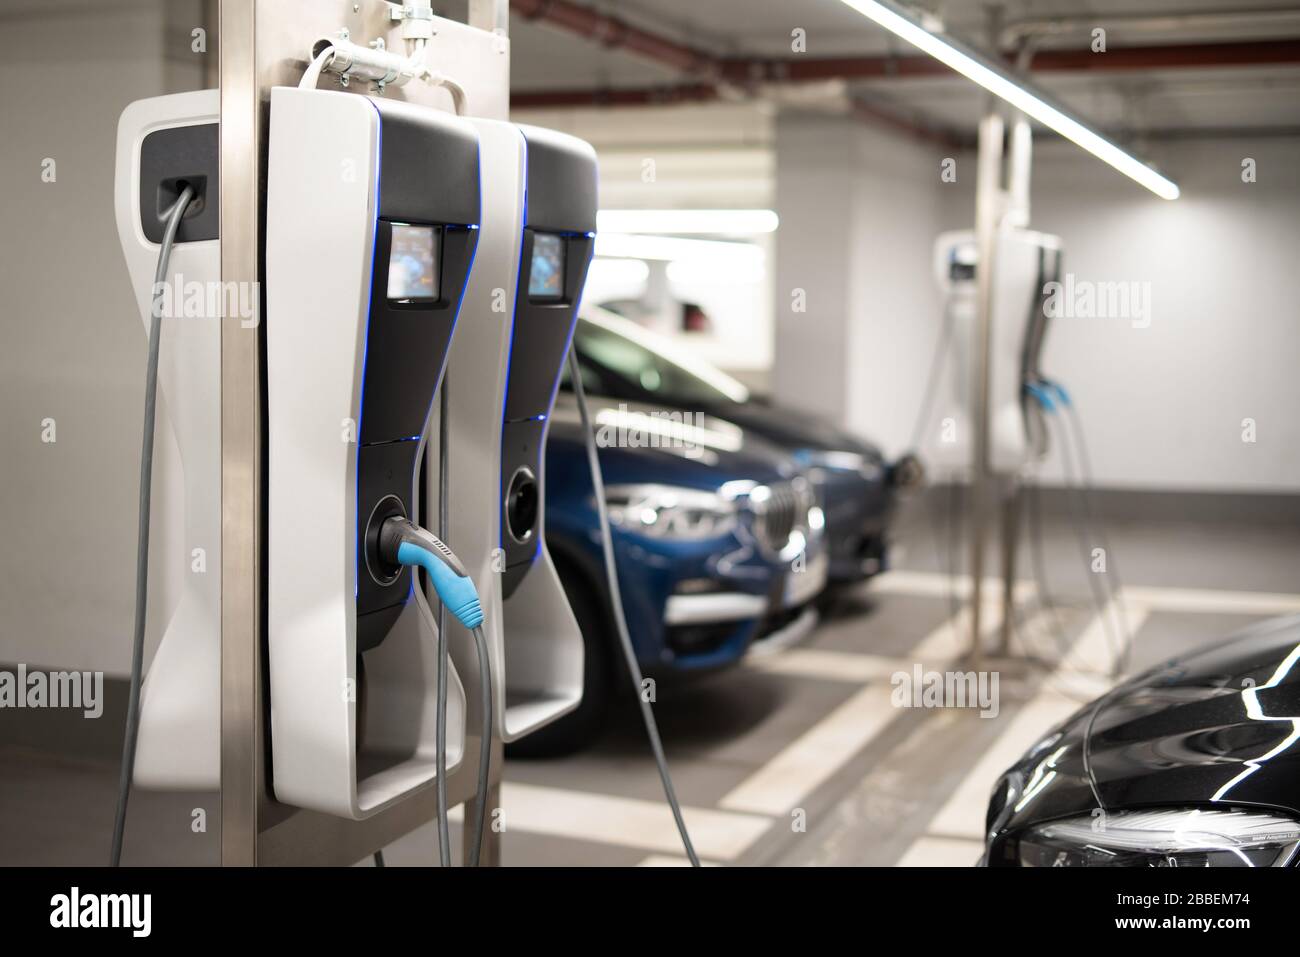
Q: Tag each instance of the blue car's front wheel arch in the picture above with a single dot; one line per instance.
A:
(588, 597)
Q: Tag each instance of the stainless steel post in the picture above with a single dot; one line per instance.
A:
(264, 43)
(988, 207)
(241, 445)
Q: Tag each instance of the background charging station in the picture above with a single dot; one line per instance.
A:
(1024, 262)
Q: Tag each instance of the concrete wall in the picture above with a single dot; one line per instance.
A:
(859, 212)
(72, 345)
(1163, 406)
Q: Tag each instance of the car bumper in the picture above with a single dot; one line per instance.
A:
(799, 588)
(858, 512)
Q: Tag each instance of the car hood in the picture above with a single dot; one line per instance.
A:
(652, 444)
(1217, 726)
(795, 430)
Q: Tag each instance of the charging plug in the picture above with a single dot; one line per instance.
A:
(403, 543)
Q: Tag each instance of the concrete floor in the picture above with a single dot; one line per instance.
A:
(800, 759)
(793, 759)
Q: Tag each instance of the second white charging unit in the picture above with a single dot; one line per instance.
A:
(537, 241)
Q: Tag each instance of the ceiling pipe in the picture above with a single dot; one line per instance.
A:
(617, 34)
(757, 72)
(617, 96)
(924, 132)
(1115, 59)
(1208, 20)
(1171, 56)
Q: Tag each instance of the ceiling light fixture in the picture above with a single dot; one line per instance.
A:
(1001, 82)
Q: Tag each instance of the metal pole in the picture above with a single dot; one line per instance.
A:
(241, 454)
(494, 17)
(988, 205)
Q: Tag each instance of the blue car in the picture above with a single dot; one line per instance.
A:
(719, 538)
(859, 488)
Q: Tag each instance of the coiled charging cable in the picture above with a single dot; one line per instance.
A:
(620, 619)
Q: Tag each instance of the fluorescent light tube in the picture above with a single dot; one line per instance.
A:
(1002, 83)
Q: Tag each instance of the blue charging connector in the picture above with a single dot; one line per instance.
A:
(401, 542)
(1041, 395)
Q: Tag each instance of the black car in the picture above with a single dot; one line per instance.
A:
(1195, 763)
(857, 486)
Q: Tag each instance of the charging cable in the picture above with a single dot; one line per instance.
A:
(620, 619)
(1050, 397)
(132, 733)
(402, 542)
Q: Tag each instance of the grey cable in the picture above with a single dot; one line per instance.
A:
(142, 523)
(1082, 527)
(484, 749)
(620, 619)
(941, 341)
(1113, 582)
(379, 858)
(440, 759)
(1038, 557)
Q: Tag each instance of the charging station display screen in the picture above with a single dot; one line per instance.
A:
(413, 263)
(546, 276)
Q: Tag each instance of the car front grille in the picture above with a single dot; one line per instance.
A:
(782, 512)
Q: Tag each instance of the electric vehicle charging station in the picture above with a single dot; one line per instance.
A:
(994, 284)
(1024, 263)
(375, 211)
(535, 244)
(365, 276)
(162, 142)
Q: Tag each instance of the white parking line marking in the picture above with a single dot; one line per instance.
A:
(1211, 600)
(830, 665)
(627, 822)
(941, 585)
(942, 852)
(937, 585)
(667, 860)
(802, 766)
(963, 814)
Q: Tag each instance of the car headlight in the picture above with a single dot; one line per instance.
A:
(670, 512)
(1163, 838)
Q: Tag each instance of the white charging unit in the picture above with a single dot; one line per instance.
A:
(372, 222)
(1026, 261)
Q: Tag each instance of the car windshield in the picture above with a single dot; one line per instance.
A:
(611, 354)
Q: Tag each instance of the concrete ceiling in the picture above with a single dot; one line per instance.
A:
(1136, 102)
